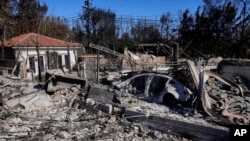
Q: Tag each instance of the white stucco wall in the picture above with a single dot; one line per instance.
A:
(42, 50)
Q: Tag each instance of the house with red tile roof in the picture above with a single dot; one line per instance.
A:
(53, 53)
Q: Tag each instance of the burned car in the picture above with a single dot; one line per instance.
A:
(183, 87)
(153, 87)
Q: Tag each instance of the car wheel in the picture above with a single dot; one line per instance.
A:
(169, 100)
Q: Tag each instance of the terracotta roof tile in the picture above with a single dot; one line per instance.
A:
(29, 40)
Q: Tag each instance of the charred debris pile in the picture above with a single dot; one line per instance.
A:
(183, 102)
(63, 111)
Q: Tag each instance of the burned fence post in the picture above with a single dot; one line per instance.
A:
(175, 54)
(38, 61)
(37, 50)
(48, 58)
(68, 60)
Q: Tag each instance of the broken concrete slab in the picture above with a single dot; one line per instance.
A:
(36, 100)
(56, 76)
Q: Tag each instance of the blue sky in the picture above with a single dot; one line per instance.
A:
(135, 8)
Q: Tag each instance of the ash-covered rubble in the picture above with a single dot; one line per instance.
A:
(232, 105)
(186, 102)
(224, 99)
(29, 113)
(214, 96)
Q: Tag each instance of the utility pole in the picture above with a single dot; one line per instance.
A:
(68, 52)
(38, 59)
(37, 50)
(87, 12)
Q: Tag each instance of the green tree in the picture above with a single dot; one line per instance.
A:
(125, 41)
(211, 30)
(29, 15)
(6, 22)
(166, 21)
(143, 33)
(242, 28)
(23, 16)
(55, 27)
(7, 11)
(99, 26)
(186, 27)
(214, 25)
